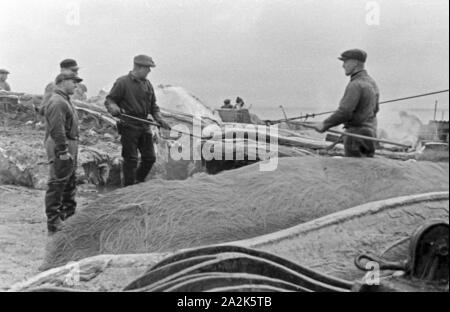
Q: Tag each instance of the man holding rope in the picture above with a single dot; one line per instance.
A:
(358, 107)
(132, 98)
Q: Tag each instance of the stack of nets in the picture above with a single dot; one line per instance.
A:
(159, 216)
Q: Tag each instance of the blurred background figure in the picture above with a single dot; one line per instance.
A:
(3, 84)
(227, 104)
(239, 103)
(80, 93)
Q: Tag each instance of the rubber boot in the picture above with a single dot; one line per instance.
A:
(53, 205)
(68, 198)
(143, 170)
(129, 173)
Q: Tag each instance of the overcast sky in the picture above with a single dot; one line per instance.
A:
(269, 52)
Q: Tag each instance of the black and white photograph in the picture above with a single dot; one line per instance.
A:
(225, 151)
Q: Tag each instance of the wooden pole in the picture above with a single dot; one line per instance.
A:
(359, 136)
(435, 109)
(285, 117)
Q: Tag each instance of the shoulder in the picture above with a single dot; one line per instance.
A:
(120, 84)
(149, 84)
(57, 101)
(355, 85)
(368, 83)
(362, 82)
(50, 87)
(122, 79)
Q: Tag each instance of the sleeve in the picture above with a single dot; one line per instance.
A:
(7, 87)
(56, 115)
(154, 108)
(47, 95)
(116, 94)
(377, 105)
(48, 92)
(346, 107)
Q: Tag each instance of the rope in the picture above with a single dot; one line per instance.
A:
(384, 102)
(158, 125)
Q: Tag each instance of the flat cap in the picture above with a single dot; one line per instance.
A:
(354, 54)
(67, 76)
(144, 60)
(69, 63)
(4, 71)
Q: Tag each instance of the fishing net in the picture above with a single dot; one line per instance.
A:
(159, 216)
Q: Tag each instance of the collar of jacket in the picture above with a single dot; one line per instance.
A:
(63, 94)
(360, 73)
(134, 78)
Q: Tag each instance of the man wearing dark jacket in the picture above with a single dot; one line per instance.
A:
(358, 107)
(133, 95)
(61, 143)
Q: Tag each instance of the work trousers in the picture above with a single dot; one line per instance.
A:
(356, 147)
(136, 138)
(60, 196)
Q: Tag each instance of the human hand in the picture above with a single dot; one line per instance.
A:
(65, 156)
(164, 124)
(114, 110)
(319, 127)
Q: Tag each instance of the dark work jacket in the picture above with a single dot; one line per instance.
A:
(359, 106)
(49, 89)
(61, 120)
(134, 96)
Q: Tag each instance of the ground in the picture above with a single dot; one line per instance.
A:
(23, 232)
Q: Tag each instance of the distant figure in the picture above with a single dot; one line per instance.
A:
(67, 66)
(239, 103)
(3, 76)
(227, 104)
(358, 108)
(80, 93)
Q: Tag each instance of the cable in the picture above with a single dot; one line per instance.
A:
(384, 102)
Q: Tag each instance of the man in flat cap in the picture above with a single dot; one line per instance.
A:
(358, 107)
(61, 143)
(3, 76)
(66, 66)
(133, 95)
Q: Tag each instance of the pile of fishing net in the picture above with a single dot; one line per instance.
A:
(159, 216)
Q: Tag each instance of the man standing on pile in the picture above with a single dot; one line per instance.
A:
(3, 76)
(66, 66)
(61, 143)
(358, 107)
(133, 95)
